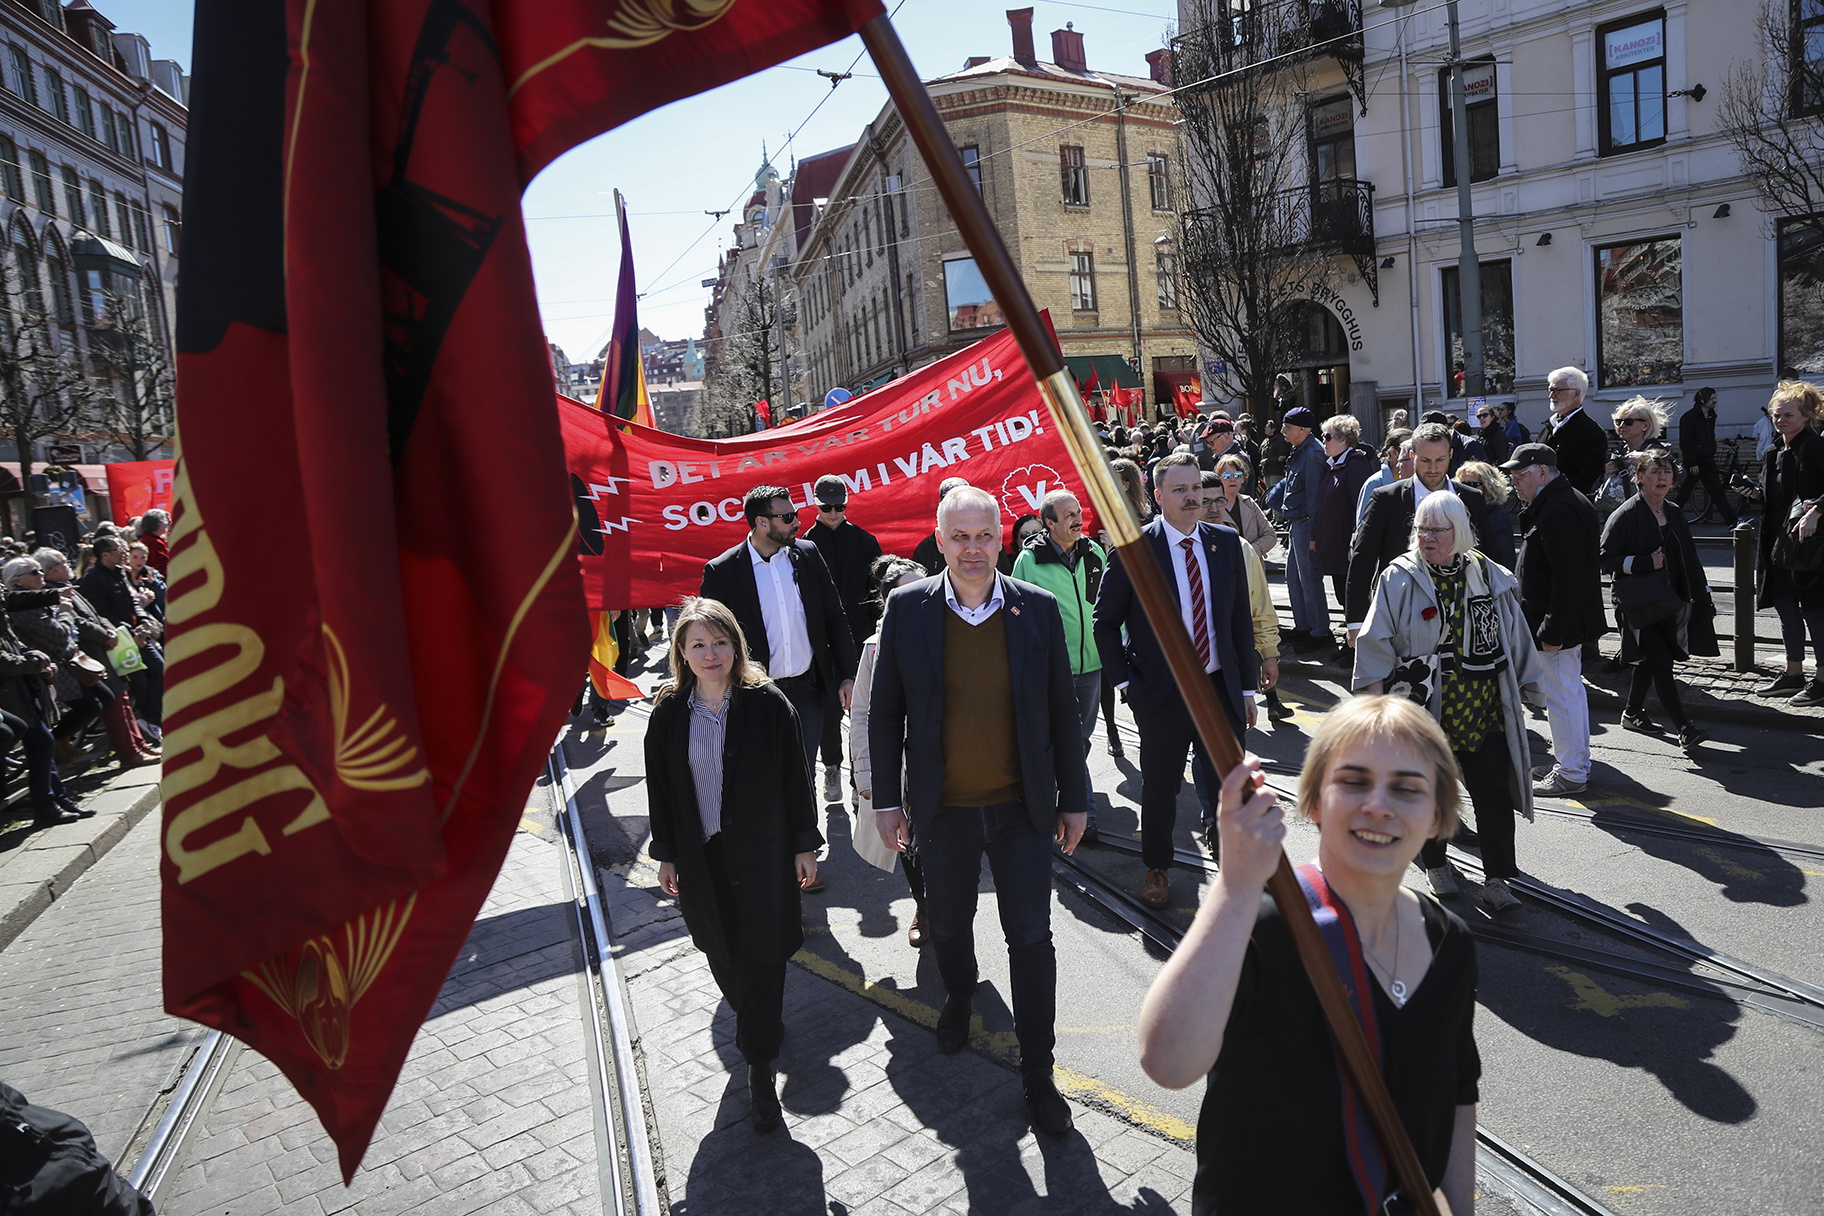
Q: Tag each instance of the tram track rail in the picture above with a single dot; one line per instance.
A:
(1500, 1166)
(1738, 981)
(629, 1179)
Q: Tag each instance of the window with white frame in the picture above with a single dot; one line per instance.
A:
(1082, 280)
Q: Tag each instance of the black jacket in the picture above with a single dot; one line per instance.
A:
(730, 578)
(926, 555)
(1494, 443)
(1583, 450)
(1560, 587)
(112, 595)
(850, 552)
(906, 704)
(768, 816)
(1386, 532)
(1632, 532)
(1130, 650)
(1788, 475)
(1697, 436)
(22, 690)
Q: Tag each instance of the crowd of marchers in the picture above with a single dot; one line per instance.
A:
(1466, 563)
(81, 661)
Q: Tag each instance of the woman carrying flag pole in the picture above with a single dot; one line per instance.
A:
(1234, 1004)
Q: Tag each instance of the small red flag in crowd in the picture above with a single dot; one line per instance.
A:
(355, 716)
(763, 410)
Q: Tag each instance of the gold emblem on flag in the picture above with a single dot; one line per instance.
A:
(319, 983)
(372, 757)
(639, 23)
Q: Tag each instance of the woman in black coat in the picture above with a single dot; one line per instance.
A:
(27, 710)
(734, 828)
(1645, 535)
(1793, 472)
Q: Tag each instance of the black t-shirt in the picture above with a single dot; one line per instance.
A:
(1270, 1135)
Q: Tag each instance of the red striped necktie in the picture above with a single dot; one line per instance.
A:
(1200, 613)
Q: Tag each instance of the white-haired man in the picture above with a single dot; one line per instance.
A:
(973, 702)
(1578, 439)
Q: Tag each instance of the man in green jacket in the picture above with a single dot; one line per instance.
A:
(1069, 565)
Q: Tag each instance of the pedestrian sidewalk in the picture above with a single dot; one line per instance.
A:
(39, 865)
(877, 1122)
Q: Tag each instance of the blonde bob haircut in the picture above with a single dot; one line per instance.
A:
(715, 616)
(1373, 719)
(1496, 488)
(1441, 508)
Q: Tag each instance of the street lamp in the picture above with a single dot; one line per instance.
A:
(1469, 270)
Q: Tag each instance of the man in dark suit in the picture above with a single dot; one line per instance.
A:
(973, 697)
(1561, 595)
(849, 551)
(790, 612)
(1386, 530)
(1203, 566)
(1581, 445)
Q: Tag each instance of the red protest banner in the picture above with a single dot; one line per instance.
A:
(137, 486)
(653, 507)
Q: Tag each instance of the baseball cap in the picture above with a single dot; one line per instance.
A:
(830, 491)
(1529, 454)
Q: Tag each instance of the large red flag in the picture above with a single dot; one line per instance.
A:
(365, 670)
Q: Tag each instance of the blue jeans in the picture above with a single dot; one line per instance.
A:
(1310, 610)
(950, 848)
(1089, 703)
(40, 756)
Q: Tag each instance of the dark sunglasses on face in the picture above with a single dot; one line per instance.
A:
(825, 508)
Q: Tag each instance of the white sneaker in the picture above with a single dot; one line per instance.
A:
(1443, 881)
(1497, 898)
(832, 785)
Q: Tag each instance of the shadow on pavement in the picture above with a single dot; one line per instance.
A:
(1586, 1012)
(510, 951)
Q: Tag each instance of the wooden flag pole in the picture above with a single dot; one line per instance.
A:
(1072, 420)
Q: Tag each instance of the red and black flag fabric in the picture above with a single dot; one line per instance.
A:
(623, 392)
(376, 621)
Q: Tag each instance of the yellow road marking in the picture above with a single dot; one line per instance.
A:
(1729, 866)
(1590, 804)
(1002, 1044)
(1600, 1001)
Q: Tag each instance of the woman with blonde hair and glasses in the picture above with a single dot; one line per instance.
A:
(1233, 1003)
(734, 827)
(1445, 629)
(1792, 489)
(1496, 491)
(1640, 422)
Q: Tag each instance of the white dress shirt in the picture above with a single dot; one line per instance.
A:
(974, 616)
(788, 641)
(1174, 541)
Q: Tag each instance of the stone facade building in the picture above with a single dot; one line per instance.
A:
(1079, 169)
(91, 168)
(1615, 227)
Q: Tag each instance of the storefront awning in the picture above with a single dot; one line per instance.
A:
(94, 476)
(1111, 371)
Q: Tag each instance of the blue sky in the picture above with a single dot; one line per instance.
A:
(701, 153)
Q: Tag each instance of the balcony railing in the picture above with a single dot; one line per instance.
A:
(1335, 218)
(1271, 33)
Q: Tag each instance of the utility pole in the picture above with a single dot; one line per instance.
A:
(1469, 269)
(1127, 221)
(782, 408)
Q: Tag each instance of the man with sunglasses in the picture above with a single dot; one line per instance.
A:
(850, 552)
(781, 592)
(1578, 440)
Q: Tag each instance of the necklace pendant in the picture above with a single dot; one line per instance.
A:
(1398, 992)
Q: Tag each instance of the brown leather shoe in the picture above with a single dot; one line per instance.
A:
(1156, 891)
(916, 934)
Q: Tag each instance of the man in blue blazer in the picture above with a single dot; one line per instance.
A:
(1202, 565)
(973, 699)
